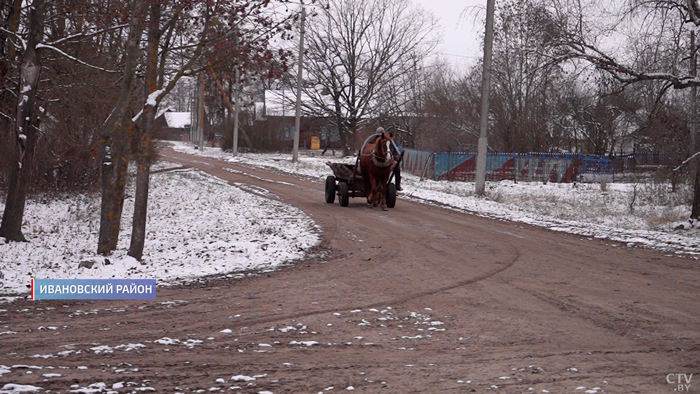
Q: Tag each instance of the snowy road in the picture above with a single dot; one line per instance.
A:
(414, 300)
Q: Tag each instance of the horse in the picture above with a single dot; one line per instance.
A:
(376, 163)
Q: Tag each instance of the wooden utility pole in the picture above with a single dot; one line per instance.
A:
(235, 112)
(297, 121)
(695, 209)
(200, 116)
(485, 90)
(693, 92)
(193, 116)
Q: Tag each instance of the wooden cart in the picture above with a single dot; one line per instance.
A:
(347, 182)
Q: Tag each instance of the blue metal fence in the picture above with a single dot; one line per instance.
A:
(546, 167)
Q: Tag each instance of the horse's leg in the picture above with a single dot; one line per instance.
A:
(383, 195)
(375, 197)
(367, 187)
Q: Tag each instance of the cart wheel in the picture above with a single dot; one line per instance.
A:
(391, 195)
(330, 189)
(343, 190)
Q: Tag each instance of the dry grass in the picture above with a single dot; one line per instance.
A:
(665, 218)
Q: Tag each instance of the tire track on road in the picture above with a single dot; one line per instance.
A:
(212, 167)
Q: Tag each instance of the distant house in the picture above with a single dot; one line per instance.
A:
(173, 126)
(275, 122)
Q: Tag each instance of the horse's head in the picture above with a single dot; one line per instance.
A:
(383, 146)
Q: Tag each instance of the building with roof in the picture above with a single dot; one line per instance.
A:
(275, 122)
(173, 126)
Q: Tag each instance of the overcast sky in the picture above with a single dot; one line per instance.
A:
(462, 23)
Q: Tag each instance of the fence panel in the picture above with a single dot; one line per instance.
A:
(541, 167)
(417, 162)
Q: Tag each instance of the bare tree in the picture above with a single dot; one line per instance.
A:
(402, 104)
(356, 50)
(71, 45)
(25, 128)
(178, 38)
(524, 81)
(9, 25)
(92, 36)
(657, 46)
(655, 33)
(452, 103)
(115, 136)
(250, 60)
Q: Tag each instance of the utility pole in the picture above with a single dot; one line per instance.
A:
(200, 116)
(693, 92)
(193, 115)
(297, 121)
(485, 90)
(235, 112)
(695, 210)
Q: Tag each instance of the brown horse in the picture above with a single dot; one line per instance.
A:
(376, 163)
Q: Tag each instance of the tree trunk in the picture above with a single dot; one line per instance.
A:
(108, 195)
(695, 211)
(143, 156)
(121, 144)
(351, 138)
(342, 135)
(231, 111)
(115, 140)
(10, 10)
(343, 141)
(115, 162)
(25, 130)
(138, 232)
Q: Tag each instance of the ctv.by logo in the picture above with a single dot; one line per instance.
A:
(680, 379)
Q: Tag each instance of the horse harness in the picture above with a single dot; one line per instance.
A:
(380, 161)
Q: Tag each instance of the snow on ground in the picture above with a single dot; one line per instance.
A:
(646, 219)
(308, 166)
(582, 209)
(197, 225)
(201, 225)
(401, 329)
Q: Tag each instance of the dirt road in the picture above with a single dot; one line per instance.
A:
(418, 299)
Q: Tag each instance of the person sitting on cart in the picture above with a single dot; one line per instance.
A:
(396, 153)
